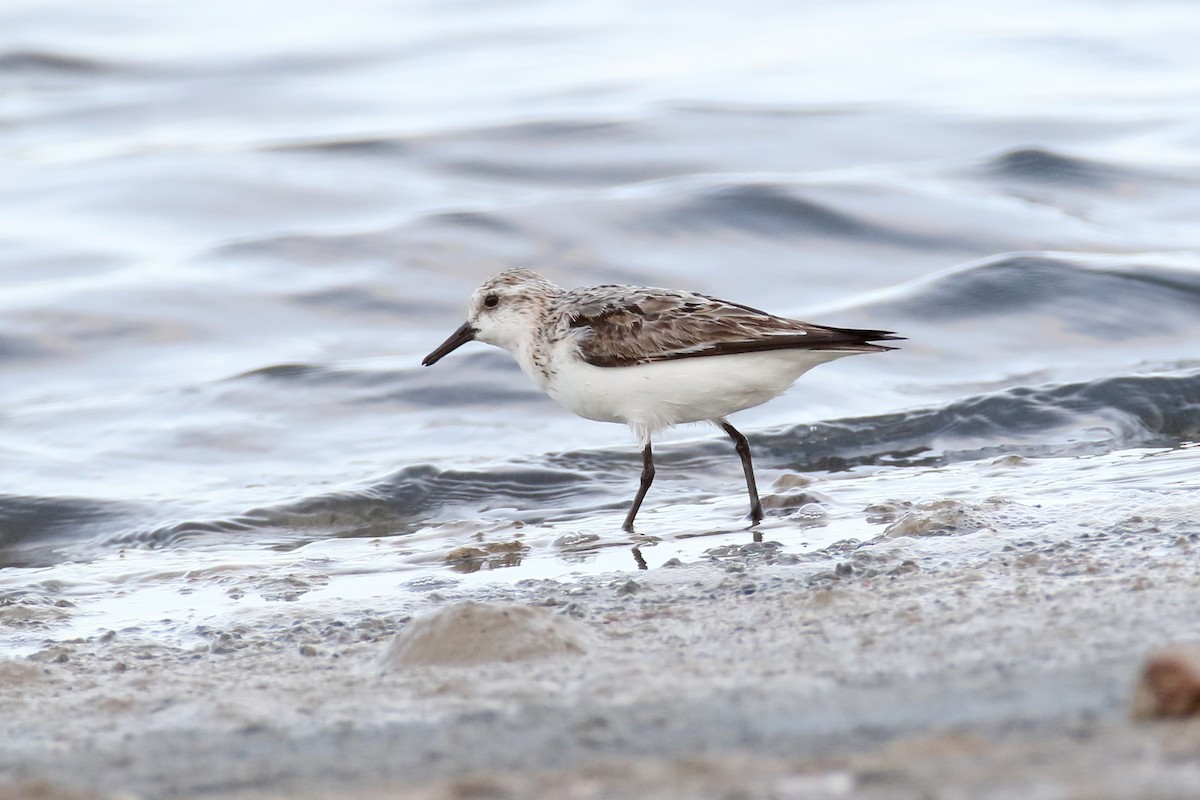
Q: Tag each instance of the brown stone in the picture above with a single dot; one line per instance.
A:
(1170, 684)
(480, 633)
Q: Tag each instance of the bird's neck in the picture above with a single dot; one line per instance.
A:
(533, 352)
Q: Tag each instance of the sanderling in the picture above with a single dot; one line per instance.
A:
(650, 358)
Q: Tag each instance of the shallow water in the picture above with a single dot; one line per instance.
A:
(229, 233)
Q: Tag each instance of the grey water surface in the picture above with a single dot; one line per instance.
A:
(229, 232)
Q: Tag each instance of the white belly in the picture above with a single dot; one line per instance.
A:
(650, 397)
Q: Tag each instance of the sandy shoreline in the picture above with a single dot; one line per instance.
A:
(884, 669)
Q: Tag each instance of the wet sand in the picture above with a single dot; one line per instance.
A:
(976, 663)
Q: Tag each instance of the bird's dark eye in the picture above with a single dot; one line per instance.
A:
(491, 301)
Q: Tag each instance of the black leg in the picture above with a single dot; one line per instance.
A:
(743, 451)
(647, 479)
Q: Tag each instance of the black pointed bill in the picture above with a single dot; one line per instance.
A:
(457, 339)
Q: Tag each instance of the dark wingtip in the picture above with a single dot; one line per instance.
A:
(871, 337)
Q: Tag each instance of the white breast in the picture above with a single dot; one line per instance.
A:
(650, 397)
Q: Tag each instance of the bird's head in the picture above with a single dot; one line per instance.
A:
(505, 310)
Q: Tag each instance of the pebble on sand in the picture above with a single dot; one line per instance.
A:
(478, 633)
(1170, 684)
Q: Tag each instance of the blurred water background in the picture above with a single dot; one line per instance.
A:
(230, 230)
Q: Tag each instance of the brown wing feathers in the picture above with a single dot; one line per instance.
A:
(626, 326)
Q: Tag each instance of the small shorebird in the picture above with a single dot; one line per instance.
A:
(650, 358)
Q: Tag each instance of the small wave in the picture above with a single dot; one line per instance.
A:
(418, 488)
(554, 132)
(772, 210)
(1037, 165)
(479, 378)
(30, 527)
(289, 373)
(13, 348)
(312, 248)
(398, 504)
(35, 62)
(361, 300)
(381, 244)
(474, 379)
(473, 221)
(557, 131)
(309, 376)
(1058, 420)
(564, 171)
(563, 152)
(1080, 290)
(371, 146)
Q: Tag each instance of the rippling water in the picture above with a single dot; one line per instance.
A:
(230, 231)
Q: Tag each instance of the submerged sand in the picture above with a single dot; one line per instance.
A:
(936, 661)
